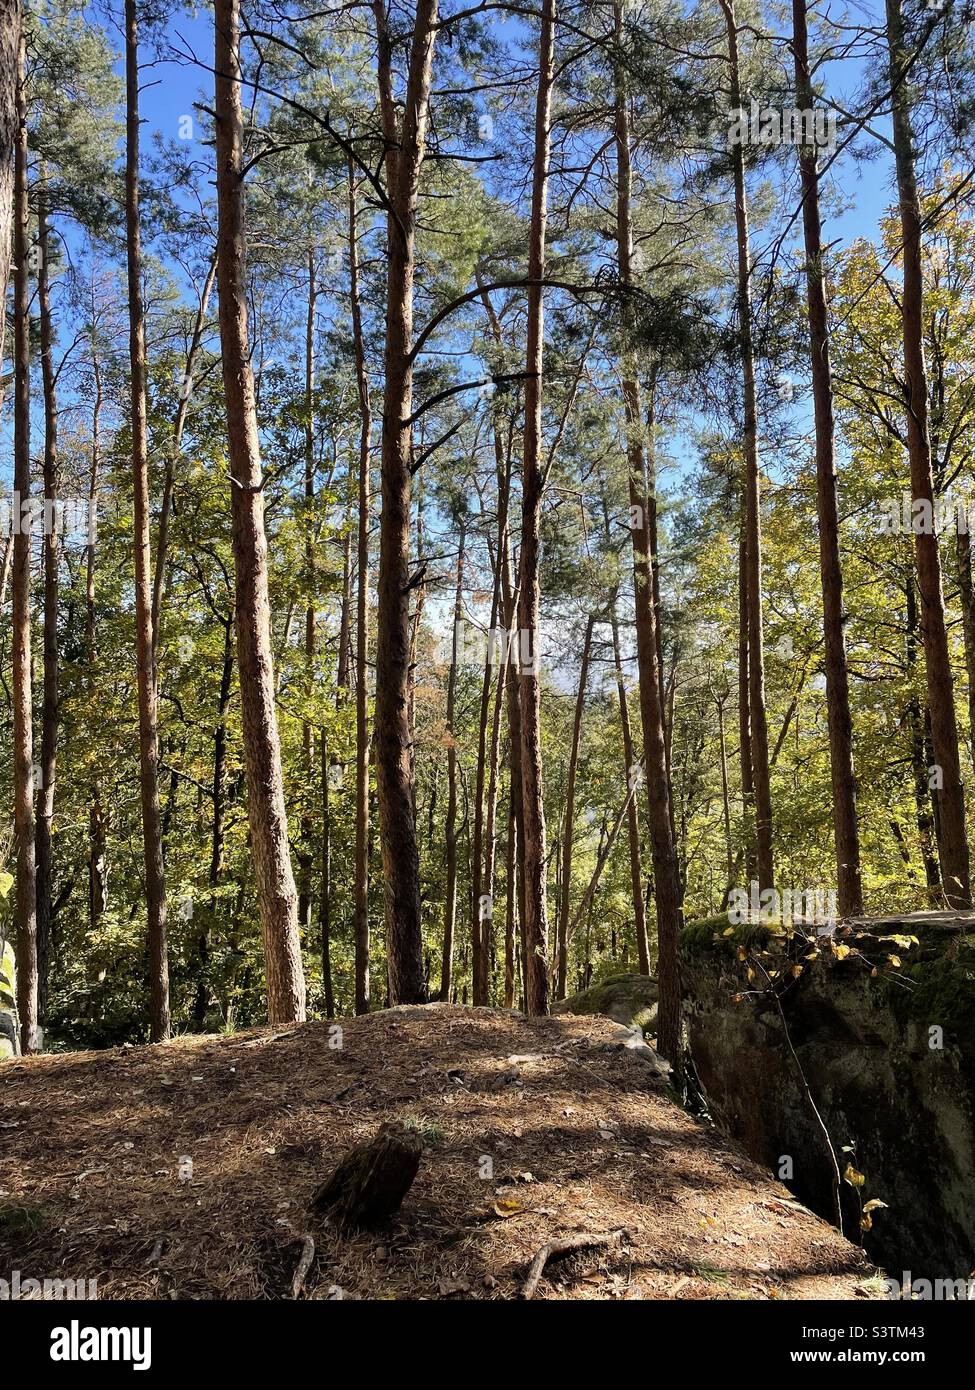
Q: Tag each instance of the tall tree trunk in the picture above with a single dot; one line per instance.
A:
(405, 142)
(666, 886)
(477, 839)
(725, 806)
(6, 565)
(267, 816)
(966, 597)
(752, 490)
(744, 716)
(49, 708)
(172, 455)
(450, 826)
(632, 809)
(306, 855)
(503, 604)
(923, 794)
(362, 626)
(568, 827)
(11, 13)
(155, 872)
(26, 891)
(93, 481)
(845, 828)
(528, 637)
(217, 831)
(486, 895)
(98, 816)
(511, 906)
(934, 635)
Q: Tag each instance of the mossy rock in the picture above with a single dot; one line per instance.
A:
(942, 992)
(628, 999)
(719, 935)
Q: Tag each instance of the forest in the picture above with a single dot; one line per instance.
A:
(486, 506)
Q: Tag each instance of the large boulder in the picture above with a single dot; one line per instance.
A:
(627, 999)
(877, 1031)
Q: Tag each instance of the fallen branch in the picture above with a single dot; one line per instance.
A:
(564, 1245)
(304, 1265)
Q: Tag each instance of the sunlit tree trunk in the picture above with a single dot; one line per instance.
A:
(666, 885)
(49, 706)
(26, 889)
(568, 827)
(362, 626)
(535, 925)
(155, 873)
(953, 839)
(405, 143)
(752, 489)
(450, 825)
(10, 25)
(845, 828)
(277, 898)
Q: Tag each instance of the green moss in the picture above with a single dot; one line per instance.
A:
(629, 999)
(942, 993)
(708, 937)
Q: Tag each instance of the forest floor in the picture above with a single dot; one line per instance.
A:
(94, 1181)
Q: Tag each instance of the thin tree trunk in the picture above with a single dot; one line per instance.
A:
(486, 896)
(6, 565)
(477, 842)
(568, 826)
(98, 817)
(267, 816)
(450, 826)
(325, 900)
(744, 717)
(218, 793)
(179, 424)
(93, 478)
(306, 855)
(11, 13)
(966, 596)
(528, 637)
(666, 885)
(511, 906)
(953, 840)
(394, 762)
(26, 890)
(49, 708)
(220, 757)
(155, 872)
(632, 809)
(923, 795)
(362, 628)
(725, 805)
(753, 517)
(845, 828)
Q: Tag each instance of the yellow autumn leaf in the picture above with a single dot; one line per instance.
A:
(851, 1176)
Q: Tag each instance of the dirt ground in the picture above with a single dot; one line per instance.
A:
(185, 1171)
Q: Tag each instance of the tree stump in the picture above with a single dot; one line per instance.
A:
(370, 1182)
